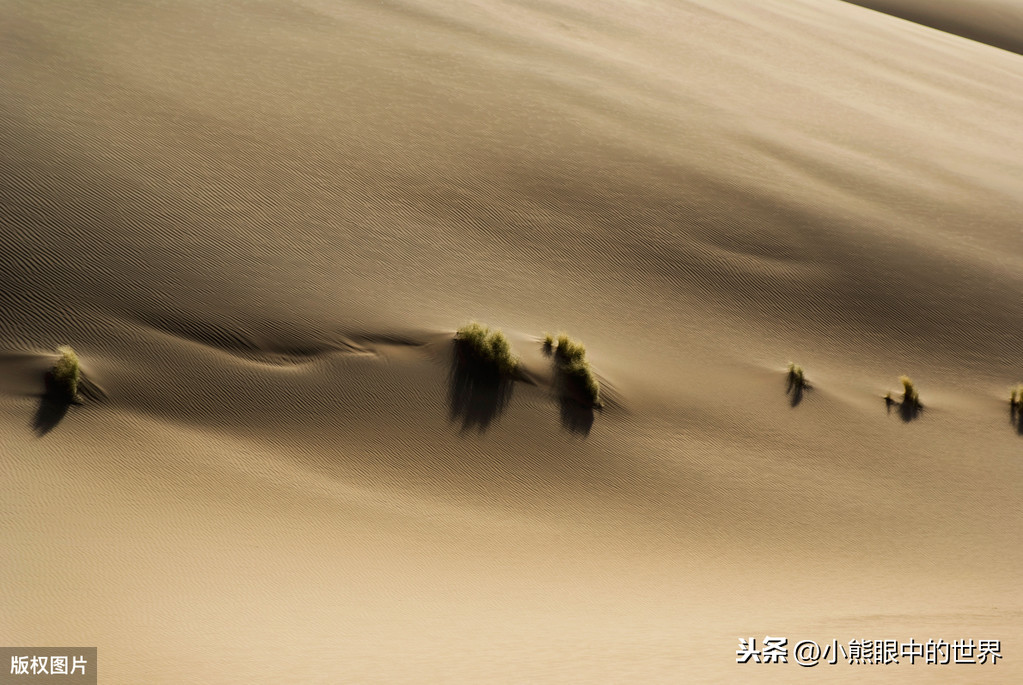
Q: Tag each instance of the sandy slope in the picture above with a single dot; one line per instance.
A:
(995, 22)
(259, 223)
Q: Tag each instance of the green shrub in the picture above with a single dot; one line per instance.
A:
(797, 379)
(575, 372)
(580, 376)
(797, 384)
(66, 373)
(910, 396)
(486, 347)
(548, 344)
(569, 350)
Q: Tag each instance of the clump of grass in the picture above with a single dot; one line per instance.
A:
(487, 347)
(1016, 407)
(578, 373)
(795, 373)
(548, 344)
(797, 379)
(66, 374)
(1016, 397)
(569, 351)
(570, 356)
(910, 396)
(797, 383)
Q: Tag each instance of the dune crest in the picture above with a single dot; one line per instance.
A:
(998, 23)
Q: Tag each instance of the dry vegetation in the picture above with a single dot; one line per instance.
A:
(910, 396)
(570, 357)
(487, 348)
(66, 374)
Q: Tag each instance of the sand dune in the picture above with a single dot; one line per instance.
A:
(260, 224)
(995, 22)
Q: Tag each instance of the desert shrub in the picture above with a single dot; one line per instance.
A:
(910, 396)
(66, 373)
(486, 347)
(580, 377)
(1016, 397)
(569, 351)
(797, 383)
(548, 344)
(797, 379)
(575, 373)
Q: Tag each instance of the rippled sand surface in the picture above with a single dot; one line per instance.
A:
(259, 224)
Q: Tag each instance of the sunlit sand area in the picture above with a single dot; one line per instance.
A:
(513, 341)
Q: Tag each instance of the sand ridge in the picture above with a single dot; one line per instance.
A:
(995, 22)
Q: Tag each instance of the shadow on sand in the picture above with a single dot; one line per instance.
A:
(53, 406)
(795, 389)
(55, 402)
(908, 411)
(575, 418)
(478, 392)
(1016, 418)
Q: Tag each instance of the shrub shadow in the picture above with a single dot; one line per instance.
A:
(796, 389)
(910, 411)
(576, 413)
(1016, 418)
(478, 392)
(53, 406)
(575, 418)
(55, 402)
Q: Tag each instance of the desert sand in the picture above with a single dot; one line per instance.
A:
(260, 224)
(995, 22)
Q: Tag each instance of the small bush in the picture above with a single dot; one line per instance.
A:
(1016, 397)
(487, 347)
(548, 344)
(579, 375)
(66, 373)
(910, 396)
(795, 372)
(569, 350)
(575, 372)
(797, 383)
(796, 377)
